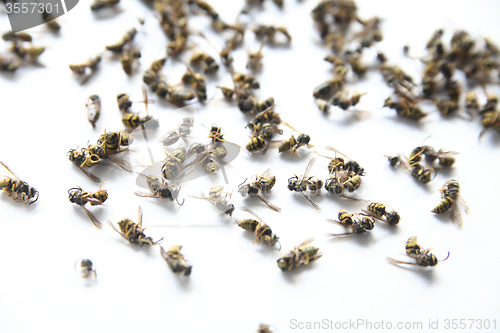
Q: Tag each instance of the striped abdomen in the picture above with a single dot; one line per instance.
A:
(444, 205)
(377, 209)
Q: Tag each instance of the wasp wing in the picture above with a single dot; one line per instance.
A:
(92, 218)
(125, 165)
(270, 205)
(456, 216)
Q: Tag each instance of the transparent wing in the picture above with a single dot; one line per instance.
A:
(12, 172)
(270, 205)
(173, 137)
(309, 166)
(91, 176)
(92, 218)
(245, 209)
(347, 226)
(311, 202)
(139, 213)
(145, 96)
(337, 151)
(146, 195)
(118, 231)
(125, 165)
(266, 173)
(307, 242)
(456, 217)
(394, 261)
(464, 204)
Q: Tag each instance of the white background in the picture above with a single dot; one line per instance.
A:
(235, 285)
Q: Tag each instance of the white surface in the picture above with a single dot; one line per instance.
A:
(235, 284)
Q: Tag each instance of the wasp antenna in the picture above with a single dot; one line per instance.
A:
(35, 199)
(242, 183)
(446, 257)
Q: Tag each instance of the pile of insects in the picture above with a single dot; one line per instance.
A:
(348, 37)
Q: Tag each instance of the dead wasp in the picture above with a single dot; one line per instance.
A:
(81, 69)
(127, 59)
(490, 116)
(17, 189)
(93, 106)
(102, 4)
(350, 166)
(204, 6)
(152, 74)
(83, 158)
(270, 31)
(175, 260)
(217, 137)
(394, 160)
(114, 142)
(21, 36)
(450, 195)
(446, 107)
(252, 104)
(85, 267)
(262, 184)
(31, 52)
(380, 212)
(266, 116)
(178, 96)
(342, 99)
(160, 189)
(418, 171)
(472, 104)
(405, 108)
(444, 158)
(245, 81)
(328, 88)
(177, 45)
(422, 256)
(216, 198)
(162, 89)
(304, 183)
(127, 38)
(172, 163)
(124, 102)
(356, 222)
(261, 230)
(263, 328)
(50, 20)
(343, 175)
(300, 255)
(110, 144)
(254, 58)
(132, 120)
(205, 157)
(134, 232)
(180, 131)
(209, 64)
(9, 63)
(197, 82)
(88, 157)
(80, 197)
(293, 144)
(262, 140)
